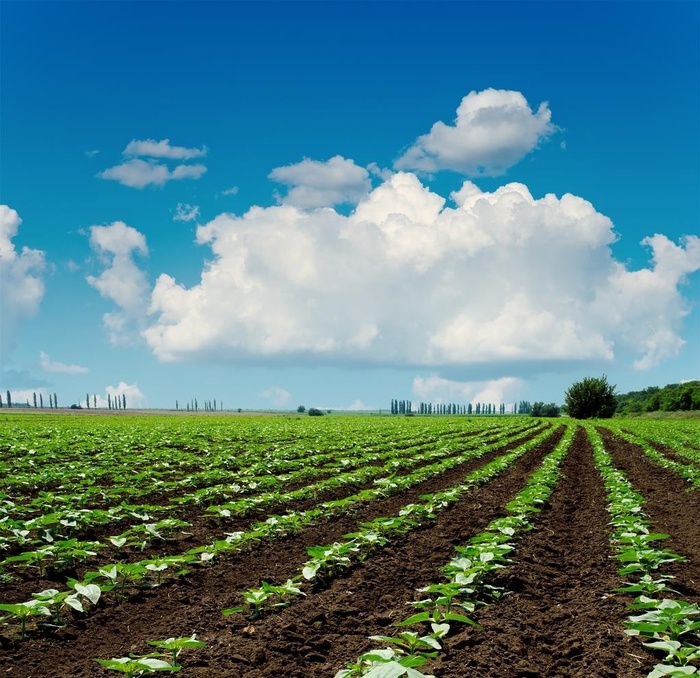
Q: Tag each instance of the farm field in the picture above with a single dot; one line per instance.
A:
(297, 546)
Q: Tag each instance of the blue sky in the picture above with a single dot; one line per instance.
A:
(337, 204)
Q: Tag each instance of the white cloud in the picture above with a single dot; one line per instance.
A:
(49, 365)
(92, 154)
(137, 173)
(436, 389)
(405, 279)
(276, 395)
(162, 149)
(230, 191)
(186, 212)
(493, 130)
(122, 281)
(135, 399)
(322, 184)
(358, 406)
(21, 285)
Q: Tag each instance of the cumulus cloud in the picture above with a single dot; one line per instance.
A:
(406, 280)
(135, 399)
(21, 284)
(49, 365)
(186, 212)
(493, 130)
(122, 281)
(437, 389)
(322, 184)
(162, 149)
(230, 191)
(137, 173)
(276, 395)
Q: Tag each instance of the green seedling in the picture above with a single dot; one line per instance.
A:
(384, 664)
(412, 644)
(661, 670)
(38, 558)
(268, 595)
(645, 559)
(174, 646)
(136, 666)
(668, 620)
(677, 653)
(22, 611)
(648, 586)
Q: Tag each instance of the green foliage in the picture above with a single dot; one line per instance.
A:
(315, 412)
(591, 398)
(301, 409)
(540, 409)
(670, 398)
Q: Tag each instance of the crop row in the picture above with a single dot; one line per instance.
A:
(120, 576)
(328, 561)
(53, 533)
(668, 624)
(468, 582)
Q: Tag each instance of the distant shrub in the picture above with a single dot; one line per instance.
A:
(315, 412)
(591, 398)
(541, 409)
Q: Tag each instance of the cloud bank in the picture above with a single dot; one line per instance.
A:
(135, 399)
(48, 365)
(410, 280)
(21, 284)
(437, 389)
(323, 184)
(122, 281)
(493, 130)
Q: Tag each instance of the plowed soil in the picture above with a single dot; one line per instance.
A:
(559, 621)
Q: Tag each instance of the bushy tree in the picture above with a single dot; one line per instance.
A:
(541, 409)
(591, 398)
(301, 409)
(315, 412)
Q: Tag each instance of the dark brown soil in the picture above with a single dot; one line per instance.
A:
(560, 620)
(195, 604)
(205, 529)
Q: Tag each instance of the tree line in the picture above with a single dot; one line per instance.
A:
(408, 407)
(117, 402)
(38, 402)
(670, 398)
(208, 405)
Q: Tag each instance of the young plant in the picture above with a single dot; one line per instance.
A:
(22, 611)
(174, 646)
(384, 664)
(136, 666)
(667, 620)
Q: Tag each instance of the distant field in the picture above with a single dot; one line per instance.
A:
(297, 546)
